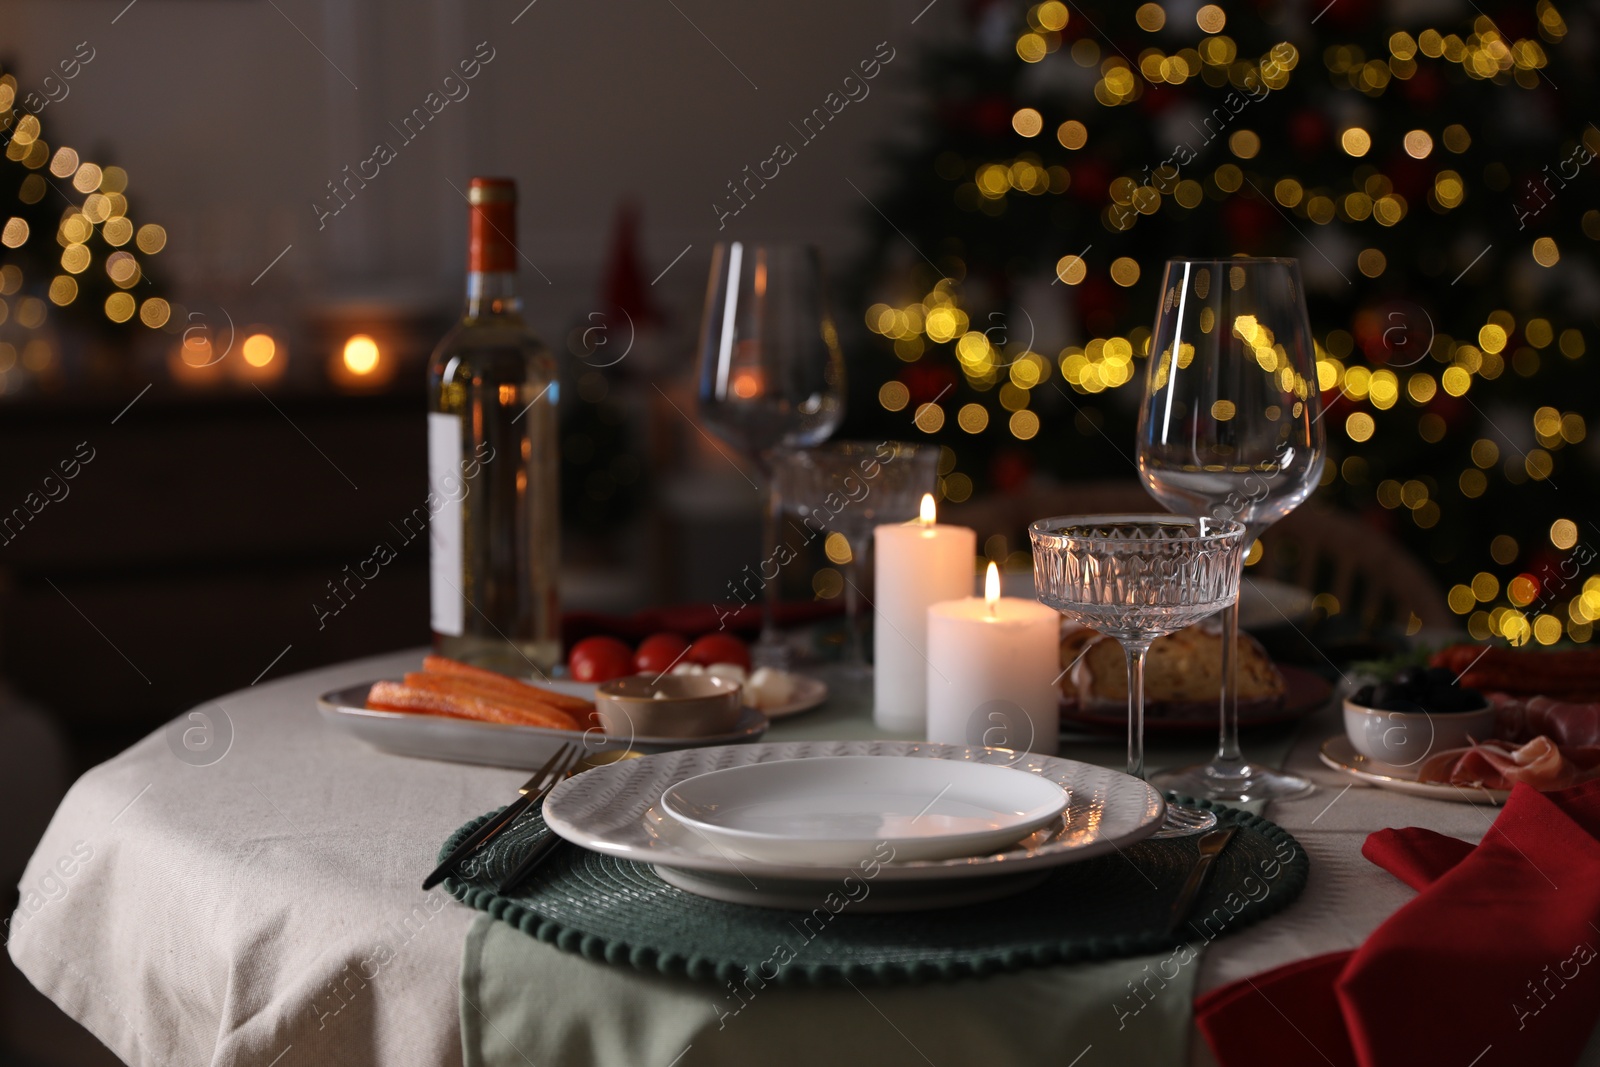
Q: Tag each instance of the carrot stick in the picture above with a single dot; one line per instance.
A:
(466, 686)
(445, 665)
(393, 696)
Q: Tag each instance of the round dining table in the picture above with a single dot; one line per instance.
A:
(251, 894)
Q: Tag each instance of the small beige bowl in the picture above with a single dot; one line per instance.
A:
(690, 705)
(1406, 738)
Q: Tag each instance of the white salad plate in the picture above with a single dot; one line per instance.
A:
(618, 810)
(1339, 754)
(497, 744)
(838, 809)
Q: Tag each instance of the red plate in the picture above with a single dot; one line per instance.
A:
(1306, 692)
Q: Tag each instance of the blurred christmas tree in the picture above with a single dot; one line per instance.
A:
(1422, 164)
(73, 261)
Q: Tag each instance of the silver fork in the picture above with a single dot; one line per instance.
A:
(533, 790)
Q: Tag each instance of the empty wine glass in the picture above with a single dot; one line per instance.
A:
(848, 488)
(1230, 428)
(1137, 577)
(770, 375)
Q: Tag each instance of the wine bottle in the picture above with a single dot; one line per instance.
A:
(492, 463)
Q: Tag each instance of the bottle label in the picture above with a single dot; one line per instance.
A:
(446, 489)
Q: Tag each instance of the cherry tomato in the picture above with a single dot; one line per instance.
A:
(599, 659)
(719, 648)
(659, 652)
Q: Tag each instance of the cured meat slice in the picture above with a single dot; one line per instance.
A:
(1567, 723)
(1540, 763)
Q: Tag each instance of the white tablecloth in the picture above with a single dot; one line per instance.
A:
(264, 909)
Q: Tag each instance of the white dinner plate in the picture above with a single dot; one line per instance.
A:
(617, 810)
(1338, 753)
(497, 744)
(839, 809)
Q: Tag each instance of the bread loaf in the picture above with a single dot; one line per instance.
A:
(1182, 675)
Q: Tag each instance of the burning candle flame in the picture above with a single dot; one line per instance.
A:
(991, 587)
(929, 512)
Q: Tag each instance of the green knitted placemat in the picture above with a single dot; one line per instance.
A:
(1114, 905)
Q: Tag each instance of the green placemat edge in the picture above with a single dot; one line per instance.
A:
(645, 958)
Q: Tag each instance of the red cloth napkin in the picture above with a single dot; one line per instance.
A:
(1287, 1015)
(1416, 856)
(1493, 963)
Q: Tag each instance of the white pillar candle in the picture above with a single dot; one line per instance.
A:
(992, 665)
(917, 564)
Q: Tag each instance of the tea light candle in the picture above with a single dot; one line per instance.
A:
(991, 670)
(917, 564)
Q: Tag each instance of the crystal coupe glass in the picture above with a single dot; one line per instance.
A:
(1137, 577)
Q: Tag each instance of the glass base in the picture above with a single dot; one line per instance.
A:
(1233, 782)
(1181, 822)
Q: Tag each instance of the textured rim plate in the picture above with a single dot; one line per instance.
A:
(617, 913)
(808, 693)
(496, 744)
(1338, 753)
(837, 809)
(617, 810)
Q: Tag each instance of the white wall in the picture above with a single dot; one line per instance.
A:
(230, 122)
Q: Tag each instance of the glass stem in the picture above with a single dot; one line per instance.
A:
(1134, 653)
(856, 652)
(1228, 736)
(771, 590)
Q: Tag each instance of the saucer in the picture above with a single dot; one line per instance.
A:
(1339, 754)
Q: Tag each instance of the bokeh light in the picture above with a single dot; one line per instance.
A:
(361, 354)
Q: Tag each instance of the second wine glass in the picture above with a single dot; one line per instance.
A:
(770, 375)
(1230, 428)
(848, 488)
